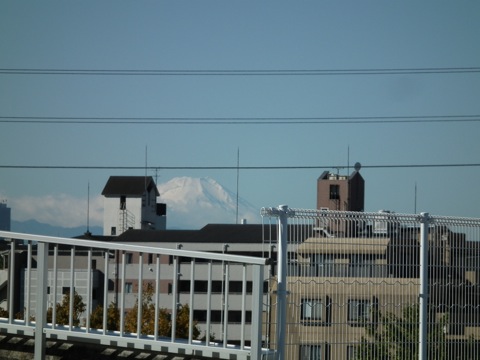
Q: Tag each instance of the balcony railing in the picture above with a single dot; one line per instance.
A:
(43, 271)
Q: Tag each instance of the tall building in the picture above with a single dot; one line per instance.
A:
(131, 203)
(5, 216)
(341, 192)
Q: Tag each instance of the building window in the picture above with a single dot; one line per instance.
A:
(334, 192)
(113, 231)
(311, 352)
(66, 290)
(123, 202)
(312, 310)
(128, 258)
(360, 311)
(128, 287)
(94, 264)
(150, 258)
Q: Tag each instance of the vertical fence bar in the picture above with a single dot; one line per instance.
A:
(257, 301)
(122, 296)
(72, 287)
(28, 282)
(89, 290)
(282, 280)
(55, 277)
(176, 275)
(105, 293)
(209, 303)
(192, 291)
(139, 294)
(226, 305)
(11, 280)
(244, 311)
(41, 313)
(423, 316)
(157, 295)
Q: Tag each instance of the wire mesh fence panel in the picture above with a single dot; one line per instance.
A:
(353, 286)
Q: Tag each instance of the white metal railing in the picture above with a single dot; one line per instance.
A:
(104, 274)
(375, 285)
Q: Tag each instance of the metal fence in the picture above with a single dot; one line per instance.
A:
(129, 296)
(381, 285)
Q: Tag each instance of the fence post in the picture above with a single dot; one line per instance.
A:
(423, 310)
(256, 323)
(41, 308)
(282, 280)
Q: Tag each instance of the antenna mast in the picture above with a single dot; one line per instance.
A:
(238, 178)
(146, 153)
(88, 208)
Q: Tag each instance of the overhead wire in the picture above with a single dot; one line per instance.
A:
(238, 120)
(286, 167)
(238, 72)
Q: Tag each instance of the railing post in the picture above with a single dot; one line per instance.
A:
(282, 280)
(423, 306)
(257, 301)
(41, 311)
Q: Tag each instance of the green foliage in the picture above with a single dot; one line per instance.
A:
(113, 317)
(164, 318)
(396, 338)
(63, 310)
(3, 313)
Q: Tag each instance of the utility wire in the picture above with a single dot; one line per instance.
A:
(294, 167)
(238, 120)
(241, 72)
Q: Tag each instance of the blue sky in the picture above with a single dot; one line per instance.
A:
(218, 35)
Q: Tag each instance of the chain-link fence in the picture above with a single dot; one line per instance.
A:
(362, 286)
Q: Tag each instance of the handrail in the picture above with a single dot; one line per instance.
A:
(137, 248)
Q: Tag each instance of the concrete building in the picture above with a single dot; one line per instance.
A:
(341, 192)
(131, 203)
(5, 216)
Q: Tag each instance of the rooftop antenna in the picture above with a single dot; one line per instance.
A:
(238, 179)
(348, 159)
(146, 152)
(415, 199)
(88, 210)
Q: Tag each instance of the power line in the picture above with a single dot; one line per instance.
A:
(239, 72)
(238, 120)
(294, 167)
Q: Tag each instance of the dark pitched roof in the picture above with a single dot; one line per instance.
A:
(212, 233)
(129, 185)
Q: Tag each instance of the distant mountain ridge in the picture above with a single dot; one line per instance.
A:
(191, 202)
(37, 228)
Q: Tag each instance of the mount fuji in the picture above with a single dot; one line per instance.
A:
(195, 202)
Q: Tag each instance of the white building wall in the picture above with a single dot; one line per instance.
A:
(111, 213)
(63, 281)
(142, 210)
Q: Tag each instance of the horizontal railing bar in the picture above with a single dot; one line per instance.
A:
(134, 248)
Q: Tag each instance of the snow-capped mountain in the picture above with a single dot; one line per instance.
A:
(194, 202)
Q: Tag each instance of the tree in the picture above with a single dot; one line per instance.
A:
(63, 310)
(3, 313)
(164, 318)
(113, 317)
(396, 338)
